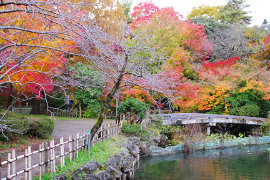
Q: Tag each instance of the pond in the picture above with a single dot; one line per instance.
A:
(237, 163)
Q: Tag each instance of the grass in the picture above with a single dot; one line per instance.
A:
(100, 153)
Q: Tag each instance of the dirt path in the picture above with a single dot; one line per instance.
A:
(63, 128)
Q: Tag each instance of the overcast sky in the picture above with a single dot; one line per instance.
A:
(260, 9)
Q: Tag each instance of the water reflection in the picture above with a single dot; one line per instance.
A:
(239, 163)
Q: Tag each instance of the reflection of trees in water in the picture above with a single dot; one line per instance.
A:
(255, 166)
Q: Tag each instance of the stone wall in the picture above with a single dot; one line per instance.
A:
(155, 151)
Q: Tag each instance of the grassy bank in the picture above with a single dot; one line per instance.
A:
(100, 153)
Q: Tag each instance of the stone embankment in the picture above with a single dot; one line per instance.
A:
(120, 166)
(216, 144)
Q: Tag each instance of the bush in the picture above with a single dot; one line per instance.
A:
(249, 97)
(9, 115)
(42, 128)
(135, 130)
(265, 128)
(133, 105)
(247, 110)
(20, 126)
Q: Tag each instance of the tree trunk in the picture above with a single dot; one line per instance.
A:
(80, 109)
(35, 106)
(109, 98)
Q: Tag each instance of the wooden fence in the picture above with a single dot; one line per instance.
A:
(44, 159)
(23, 110)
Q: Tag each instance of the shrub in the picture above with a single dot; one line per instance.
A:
(247, 110)
(265, 128)
(249, 97)
(133, 105)
(20, 126)
(135, 130)
(12, 115)
(42, 128)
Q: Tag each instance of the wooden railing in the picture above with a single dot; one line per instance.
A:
(23, 110)
(36, 163)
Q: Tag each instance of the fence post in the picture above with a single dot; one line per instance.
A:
(46, 153)
(70, 147)
(52, 157)
(25, 164)
(29, 163)
(40, 160)
(89, 143)
(9, 166)
(0, 166)
(73, 147)
(62, 152)
(13, 164)
(77, 144)
(108, 130)
(114, 128)
(101, 133)
(83, 140)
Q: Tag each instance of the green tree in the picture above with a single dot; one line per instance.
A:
(210, 24)
(234, 12)
(89, 91)
(133, 109)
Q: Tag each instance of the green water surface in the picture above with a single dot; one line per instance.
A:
(238, 163)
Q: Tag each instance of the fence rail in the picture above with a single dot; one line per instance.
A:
(51, 153)
(23, 110)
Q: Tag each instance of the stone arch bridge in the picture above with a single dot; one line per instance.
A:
(211, 120)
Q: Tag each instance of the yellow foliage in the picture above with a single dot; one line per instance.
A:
(215, 96)
(204, 11)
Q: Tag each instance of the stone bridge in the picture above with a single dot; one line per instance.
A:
(209, 119)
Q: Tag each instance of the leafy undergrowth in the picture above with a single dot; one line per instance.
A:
(100, 153)
(135, 130)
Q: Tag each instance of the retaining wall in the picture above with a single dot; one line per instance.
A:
(216, 144)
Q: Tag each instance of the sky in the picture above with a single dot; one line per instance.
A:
(259, 9)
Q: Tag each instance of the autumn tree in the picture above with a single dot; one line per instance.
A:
(72, 35)
(179, 41)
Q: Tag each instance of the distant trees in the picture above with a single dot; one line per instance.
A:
(233, 12)
(205, 12)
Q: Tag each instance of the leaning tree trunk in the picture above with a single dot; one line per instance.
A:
(80, 109)
(109, 98)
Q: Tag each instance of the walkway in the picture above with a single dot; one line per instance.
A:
(64, 128)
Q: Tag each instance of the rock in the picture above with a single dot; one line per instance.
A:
(115, 161)
(135, 140)
(92, 177)
(144, 149)
(100, 176)
(128, 163)
(133, 149)
(87, 168)
(61, 176)
(113, 172)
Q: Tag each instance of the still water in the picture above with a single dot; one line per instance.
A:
(238, 163)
